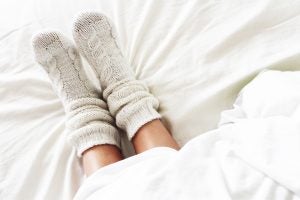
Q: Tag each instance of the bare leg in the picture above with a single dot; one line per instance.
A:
(100, 156)
(153, 134)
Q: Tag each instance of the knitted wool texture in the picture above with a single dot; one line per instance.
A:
(88, 120)
(128, 99)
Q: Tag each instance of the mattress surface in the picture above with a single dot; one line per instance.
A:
(194, 55)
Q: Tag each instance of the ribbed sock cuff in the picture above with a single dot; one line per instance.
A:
(92, 135)
(142, 113)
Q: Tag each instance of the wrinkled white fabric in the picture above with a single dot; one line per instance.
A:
(255, 157)
(195, 55)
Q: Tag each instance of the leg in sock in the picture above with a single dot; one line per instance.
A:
(128, 99)
(89, 122)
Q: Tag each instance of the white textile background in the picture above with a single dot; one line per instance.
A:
(195, 55)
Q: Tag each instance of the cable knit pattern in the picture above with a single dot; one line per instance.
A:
(128, 99)
(88, 119)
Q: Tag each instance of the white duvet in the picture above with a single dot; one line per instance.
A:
(195, 55)
(254, 154)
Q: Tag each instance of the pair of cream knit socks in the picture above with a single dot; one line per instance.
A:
(90, 119)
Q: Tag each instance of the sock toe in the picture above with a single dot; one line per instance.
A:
(44, 39)
(50, 41)
(85, 23)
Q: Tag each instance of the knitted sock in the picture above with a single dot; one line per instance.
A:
(129, 100)
(88, 119)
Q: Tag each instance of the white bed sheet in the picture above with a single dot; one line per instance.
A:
(195, 55)
(254, 154)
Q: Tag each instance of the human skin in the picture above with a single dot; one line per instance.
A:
(152, 134)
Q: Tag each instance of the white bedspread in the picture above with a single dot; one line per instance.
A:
(254, 154)
(194, 54)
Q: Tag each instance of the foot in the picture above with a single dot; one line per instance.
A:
(129, 100)
(95, 38)
(89, 121)
(61, 61)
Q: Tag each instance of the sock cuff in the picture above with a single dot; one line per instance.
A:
(88, 116)
(132, 117)
(119, 85)
(92, 135)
